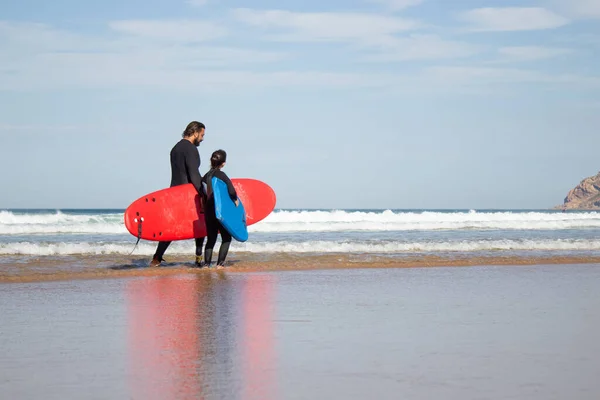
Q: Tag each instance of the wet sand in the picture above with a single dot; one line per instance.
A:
(106, 267)
(489, 332)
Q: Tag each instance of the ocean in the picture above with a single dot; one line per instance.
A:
(271, 327)
(31, 236)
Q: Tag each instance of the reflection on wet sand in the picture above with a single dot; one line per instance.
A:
(259, 369)
(200, 336)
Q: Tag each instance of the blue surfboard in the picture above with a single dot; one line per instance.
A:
(231, 217)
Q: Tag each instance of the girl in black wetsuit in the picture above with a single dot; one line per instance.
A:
(213, 226)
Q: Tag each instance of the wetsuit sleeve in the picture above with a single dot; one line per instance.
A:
(204, 183)
(192, 163)
(232, 193)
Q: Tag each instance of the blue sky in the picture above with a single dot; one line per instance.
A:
(339, 104)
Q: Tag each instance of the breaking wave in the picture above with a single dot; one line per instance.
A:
(12, 223)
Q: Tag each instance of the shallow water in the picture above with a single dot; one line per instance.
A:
(523, 332)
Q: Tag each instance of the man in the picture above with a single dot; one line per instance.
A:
(185, 162)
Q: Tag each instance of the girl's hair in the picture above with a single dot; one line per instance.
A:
(218, 157)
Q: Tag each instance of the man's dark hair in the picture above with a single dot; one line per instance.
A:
(192, 128)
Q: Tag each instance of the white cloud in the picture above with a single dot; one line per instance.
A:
(197, 3)
(579, 9)
(19, 41)
(107, 71)
(24, 38)
(353, 27)
(484, 76)
(586, 8)
(45, 127)
(422, 47)
(376, 37)
(38, 57)
(396, 5)
(513, 19)
(173, 30)
(529, 53)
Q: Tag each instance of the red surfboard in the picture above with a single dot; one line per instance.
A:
(176, 213)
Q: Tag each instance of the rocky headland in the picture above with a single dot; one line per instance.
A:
(585, 196)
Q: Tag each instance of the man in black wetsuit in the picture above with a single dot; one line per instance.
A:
(185, 162)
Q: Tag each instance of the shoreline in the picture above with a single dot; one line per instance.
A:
(122, 210)
(286, 263)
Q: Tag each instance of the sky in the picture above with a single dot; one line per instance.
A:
(339, 104)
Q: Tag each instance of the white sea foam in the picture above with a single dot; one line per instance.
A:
(331, 221)
(187, 247)
(408, 247)
(317, 221)
(12, 223)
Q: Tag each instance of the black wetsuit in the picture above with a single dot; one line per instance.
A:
(185, 162)
(213, 226)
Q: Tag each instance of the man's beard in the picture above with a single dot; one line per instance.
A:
(197, 142)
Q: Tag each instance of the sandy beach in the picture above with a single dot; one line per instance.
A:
(477, 332)
(104, 267)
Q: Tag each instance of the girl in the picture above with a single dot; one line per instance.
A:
(213, 226)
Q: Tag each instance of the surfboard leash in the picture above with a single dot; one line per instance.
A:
(139, 235)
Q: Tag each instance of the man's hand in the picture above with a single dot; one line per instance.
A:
(201, 205)
(202, 202)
